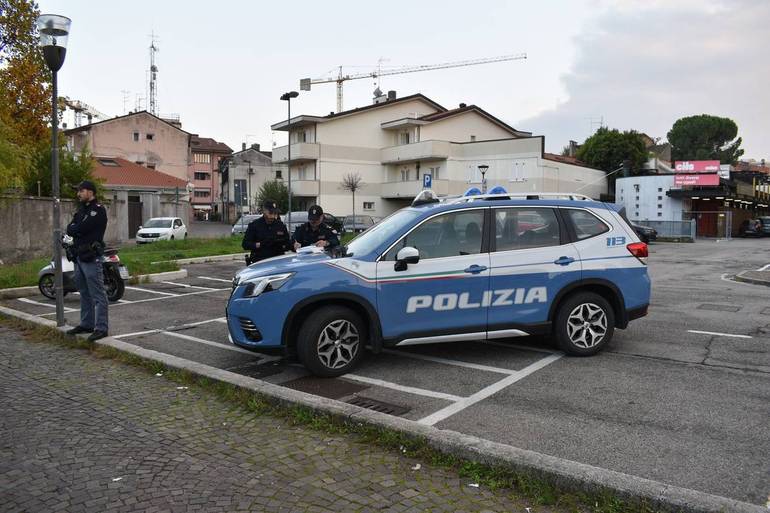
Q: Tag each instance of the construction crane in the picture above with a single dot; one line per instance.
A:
(305, 83)
(80, 108)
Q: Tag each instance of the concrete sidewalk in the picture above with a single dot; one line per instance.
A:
(758, 277)
(81, 434)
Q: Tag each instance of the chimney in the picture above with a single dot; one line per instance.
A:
(255, 146)
(391, 95)
(462, 105)
(243, 146)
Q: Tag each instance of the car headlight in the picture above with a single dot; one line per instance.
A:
(256, 286)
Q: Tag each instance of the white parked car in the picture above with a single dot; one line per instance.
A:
(161, 228)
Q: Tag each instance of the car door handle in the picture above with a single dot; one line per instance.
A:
(564, 260)
(476, 269)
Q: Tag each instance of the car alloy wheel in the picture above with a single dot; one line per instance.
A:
(586, 325)
(338, 344)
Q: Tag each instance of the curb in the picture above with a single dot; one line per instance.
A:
(158, 277)
(567, 475)
(17, 292)
(746, 279)
(204, 259)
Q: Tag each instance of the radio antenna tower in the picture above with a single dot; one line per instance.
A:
(153, 94)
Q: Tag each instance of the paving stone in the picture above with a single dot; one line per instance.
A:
(72, 423)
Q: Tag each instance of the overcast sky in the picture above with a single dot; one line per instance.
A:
(633, 64)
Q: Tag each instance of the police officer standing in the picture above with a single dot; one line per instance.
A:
(87, 229)
(315, 232)
(266, 236)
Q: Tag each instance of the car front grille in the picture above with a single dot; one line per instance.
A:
(250, 329)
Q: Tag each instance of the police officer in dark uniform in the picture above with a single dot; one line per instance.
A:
(315, 232)
(266, 236)
(87, 230)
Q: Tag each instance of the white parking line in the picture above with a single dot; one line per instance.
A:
(207, 291)
(456, 363)
(214, 279)
(764, 268)
(170, 328)
(38, 303)
(719, 334)
(152, 291)
(185, 285)
(218, 345)
(402, 388)
(488, 391)
(136, 333)
(519, 346)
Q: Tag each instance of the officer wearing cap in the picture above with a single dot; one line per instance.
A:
(87, 230)
(266, 236)
(315, 232)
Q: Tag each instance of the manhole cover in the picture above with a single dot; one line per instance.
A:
(719, 308)
(324, 387)
(382, 407)
(257, 370)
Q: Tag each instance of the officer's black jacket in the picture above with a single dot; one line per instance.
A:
(273, 238)
(306, 236)
(88, 224)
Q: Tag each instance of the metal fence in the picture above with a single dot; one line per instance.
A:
(672, 229)
(711, 224)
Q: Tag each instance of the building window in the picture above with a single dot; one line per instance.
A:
(368, 205)
(240, 194)
(660, 189)
(202, 194)
(636, 187)
(151, 166)
(150, 137)
(473, 138)
(660, 206)
(202, 158)
(278, 174)
(636, 215)
(660, 214)
(136, 136)
(108, 162)
(403, 138)
(202, 176)
(434, 172)
(637, 205)
(660, 198)
(405, 174)
(637, 198)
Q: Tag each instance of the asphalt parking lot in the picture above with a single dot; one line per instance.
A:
(681, 397)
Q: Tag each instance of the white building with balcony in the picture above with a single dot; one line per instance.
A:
(394, 143)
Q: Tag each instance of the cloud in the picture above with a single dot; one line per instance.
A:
(642, 66)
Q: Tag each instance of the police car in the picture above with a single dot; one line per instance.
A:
(478, 267)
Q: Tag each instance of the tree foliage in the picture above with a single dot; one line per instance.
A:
(607, 149)
(73, 169)
(24, 88)
(277, 191)
(705, 137)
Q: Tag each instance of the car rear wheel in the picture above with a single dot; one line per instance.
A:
(331, 341)
(584, 324)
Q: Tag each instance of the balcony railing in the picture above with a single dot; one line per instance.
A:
(410, 189)
(299, 152)
(304, 187)
(405, 153)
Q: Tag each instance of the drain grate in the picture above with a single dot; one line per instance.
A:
(375, 405)
(719, 308)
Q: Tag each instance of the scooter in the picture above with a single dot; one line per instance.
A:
(115, 274)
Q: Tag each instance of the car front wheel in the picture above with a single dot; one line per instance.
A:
(584, 324)
(331, 341)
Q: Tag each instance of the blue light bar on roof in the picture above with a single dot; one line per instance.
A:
(498, 189)
(473, 191)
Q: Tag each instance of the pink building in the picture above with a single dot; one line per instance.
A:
(203, 174)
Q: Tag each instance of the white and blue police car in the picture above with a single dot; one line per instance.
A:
(478, 267)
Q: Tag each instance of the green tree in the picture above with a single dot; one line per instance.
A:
(607, 149)
(12, 161)
(705, 137)
(73, 169)
(277, 191)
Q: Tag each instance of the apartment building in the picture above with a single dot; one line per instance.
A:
(138, 137)
(204, 176)
(394, 143)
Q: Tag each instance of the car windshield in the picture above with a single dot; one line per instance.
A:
(380, 232)
(158, 223)
(358, 220)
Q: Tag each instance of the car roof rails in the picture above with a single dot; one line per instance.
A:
(492, 196)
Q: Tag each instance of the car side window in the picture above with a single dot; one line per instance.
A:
(451, 234)
(586, 224)
(522, 228)
(177, 223)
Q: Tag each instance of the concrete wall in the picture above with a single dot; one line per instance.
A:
(650, 201)
(27, 227)
(461, 127)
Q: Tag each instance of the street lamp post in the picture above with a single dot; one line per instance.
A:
(483, 169)
(249, 172)
(54, 30)
(287, 98)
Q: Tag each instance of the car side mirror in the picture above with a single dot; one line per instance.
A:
(140, 226)
(405, 256)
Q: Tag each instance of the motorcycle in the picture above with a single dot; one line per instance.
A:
(115, 273)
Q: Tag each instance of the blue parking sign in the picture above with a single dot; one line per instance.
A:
(427, 181)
